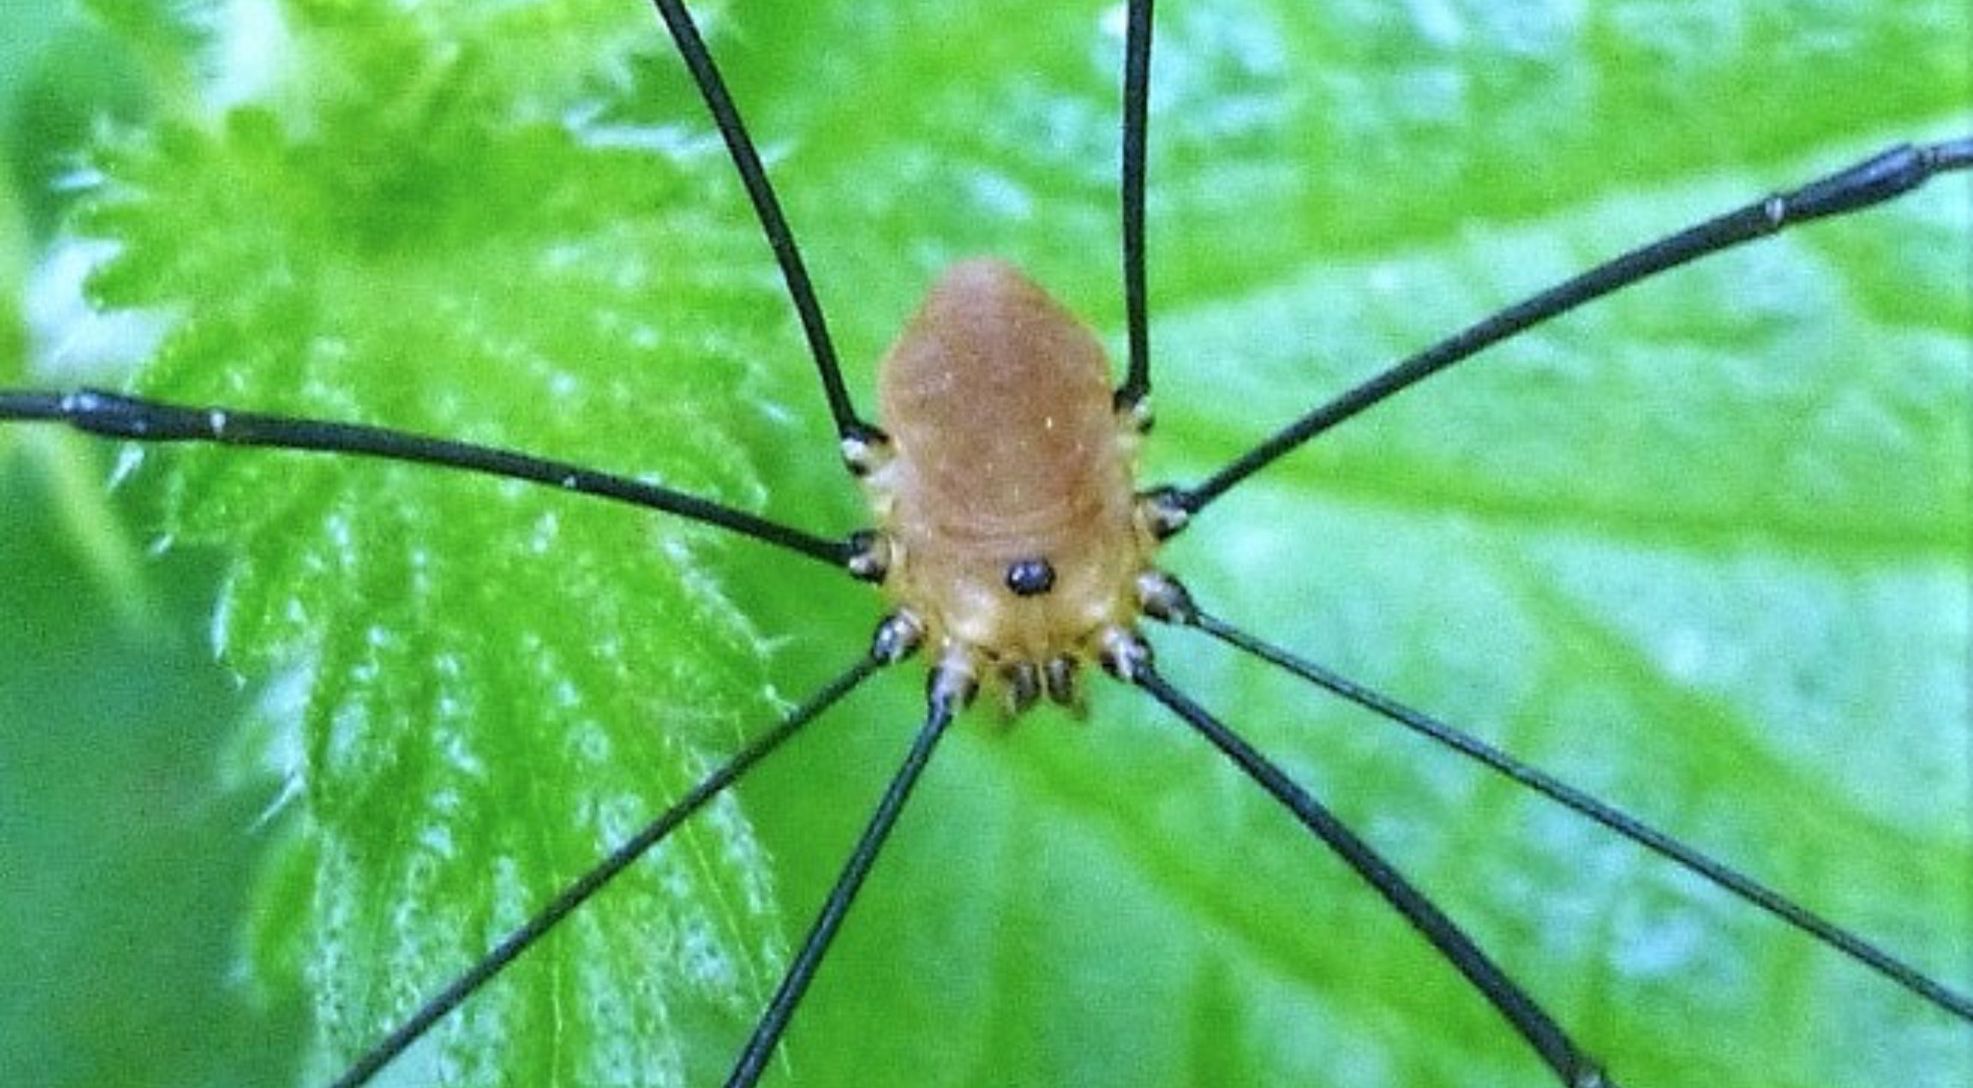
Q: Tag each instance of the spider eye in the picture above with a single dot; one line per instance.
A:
(1030, 577)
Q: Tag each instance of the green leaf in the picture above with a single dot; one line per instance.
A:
(1701, 549)
(13, 277)
(60, 78)
(485, 689)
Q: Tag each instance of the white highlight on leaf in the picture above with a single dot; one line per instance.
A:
(78, 179)
(1685, 654)
(618, 817)
(704, 960)
(1114, 22)
(337, 528)
(70, 340)
(253, 54)
(412, 952)
(511, 902)
(547, 530)
(280, 753)
(349, 728)
(459, 753)
(437, 838)
(674, 141)
(624, 1055)
(1386, 279)
(1001, 195)
(222, 614)
(741, 853)
(1437, 22)
(128, 460)
(591, 742)
(1659, 945)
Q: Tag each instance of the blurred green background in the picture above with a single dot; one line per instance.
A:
(125, 868)
(1705, 549)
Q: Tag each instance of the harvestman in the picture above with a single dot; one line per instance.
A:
(1015, 548)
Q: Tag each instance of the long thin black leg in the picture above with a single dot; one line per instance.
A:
(1877, 179)
(1137, 89)
(767, 207)
(576, 894)
(1624, 824)
(117, 416)
(1530, 1021)
(774, 1021)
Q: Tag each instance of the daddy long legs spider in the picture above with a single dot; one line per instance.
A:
(1474, 591)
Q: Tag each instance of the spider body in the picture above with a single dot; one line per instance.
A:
(1006, 495)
